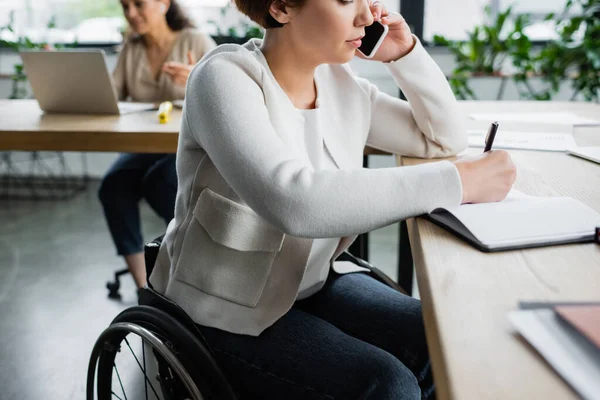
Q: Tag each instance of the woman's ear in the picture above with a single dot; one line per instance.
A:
(280, 11)
(165, 6)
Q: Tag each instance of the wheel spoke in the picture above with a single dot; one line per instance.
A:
(120, 383)
(116, 395)
(143, 370)
(144, 359)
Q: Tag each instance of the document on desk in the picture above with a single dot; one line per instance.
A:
(591, 153)
(570, 353)
(519, 221)
(525, 140)
(558, 118)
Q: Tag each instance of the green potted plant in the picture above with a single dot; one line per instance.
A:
(575, 56)
(486, 51)
(239, 32)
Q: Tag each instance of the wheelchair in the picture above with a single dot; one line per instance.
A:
(162, 353)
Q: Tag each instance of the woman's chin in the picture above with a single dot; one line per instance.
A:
(139, 29)
(348, 56)
(341, 57)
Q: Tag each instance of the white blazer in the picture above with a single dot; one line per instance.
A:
(249, 204)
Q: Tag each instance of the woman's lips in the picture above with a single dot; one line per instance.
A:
(356, 42)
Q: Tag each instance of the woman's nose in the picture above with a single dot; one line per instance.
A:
(130, 12)
(364, 16)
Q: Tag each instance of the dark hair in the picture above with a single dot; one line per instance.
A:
(177, 19)
(258, 11)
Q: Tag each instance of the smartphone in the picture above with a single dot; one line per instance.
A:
(374, 35)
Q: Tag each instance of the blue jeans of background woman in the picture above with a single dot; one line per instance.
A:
(131, 178)
(355, 339)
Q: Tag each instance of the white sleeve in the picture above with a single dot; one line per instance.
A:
(226, 113)
(429, 124)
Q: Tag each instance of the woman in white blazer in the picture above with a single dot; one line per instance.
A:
(272, 189)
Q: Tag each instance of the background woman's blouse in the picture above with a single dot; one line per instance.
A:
(134, 79)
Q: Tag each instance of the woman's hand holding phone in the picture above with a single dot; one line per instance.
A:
(399, 40)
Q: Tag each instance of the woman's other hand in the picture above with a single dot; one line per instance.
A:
(179, 72)
(399, 40)
(487, 177)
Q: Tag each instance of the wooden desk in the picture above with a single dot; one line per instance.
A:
(467, 294)
(24, 126)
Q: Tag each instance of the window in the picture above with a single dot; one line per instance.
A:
(85, 21)
(64, 21)
(101, 21)
(453, 18)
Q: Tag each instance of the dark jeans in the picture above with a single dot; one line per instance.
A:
(355, 339)
(131, 178)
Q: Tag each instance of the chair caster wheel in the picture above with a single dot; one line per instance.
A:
(113, 290)
(113, 287)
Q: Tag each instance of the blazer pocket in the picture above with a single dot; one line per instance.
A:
(228, 250)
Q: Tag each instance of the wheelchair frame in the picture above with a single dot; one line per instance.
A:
(158, 306)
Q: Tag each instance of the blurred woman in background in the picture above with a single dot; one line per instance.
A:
(153, 66)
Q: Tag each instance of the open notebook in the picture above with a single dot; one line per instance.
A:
(519, 221)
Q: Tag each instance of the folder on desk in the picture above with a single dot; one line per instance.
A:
(519, 221)
(591, 153)
(568, 337)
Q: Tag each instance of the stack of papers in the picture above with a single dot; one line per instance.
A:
(524, 140)
(567, 335)
(559, 118)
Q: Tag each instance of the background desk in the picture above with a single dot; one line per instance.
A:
(467, 294)
(24, 126)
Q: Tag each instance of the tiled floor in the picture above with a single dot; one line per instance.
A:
(55, 257)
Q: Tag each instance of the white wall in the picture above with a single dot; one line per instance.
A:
(97, 163)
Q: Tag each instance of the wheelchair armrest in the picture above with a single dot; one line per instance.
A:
(150, 254)
(375, 272)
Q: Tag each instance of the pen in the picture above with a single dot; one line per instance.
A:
(491, 135)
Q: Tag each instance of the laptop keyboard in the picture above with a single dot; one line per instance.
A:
(127, 107)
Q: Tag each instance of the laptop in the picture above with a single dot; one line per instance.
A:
(76, 82)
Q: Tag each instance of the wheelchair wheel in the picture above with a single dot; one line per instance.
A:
(147, 354)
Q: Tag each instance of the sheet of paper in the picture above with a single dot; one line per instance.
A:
(559, 118)
(524, 140)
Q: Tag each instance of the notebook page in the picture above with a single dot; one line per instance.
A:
(522, 219)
